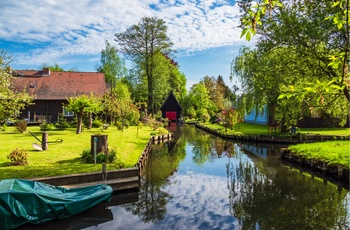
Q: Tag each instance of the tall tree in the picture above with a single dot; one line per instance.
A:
(11, 101)
(141, 43)
(111, 64)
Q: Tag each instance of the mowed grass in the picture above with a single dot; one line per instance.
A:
(65, 158)
(333, 152)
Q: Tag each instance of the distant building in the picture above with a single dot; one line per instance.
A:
(52, 89)
(171, 108)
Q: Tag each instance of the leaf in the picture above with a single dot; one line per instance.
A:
(248, 36)
(336, 87)
(281, 96)
(244, 31)
(309, 89)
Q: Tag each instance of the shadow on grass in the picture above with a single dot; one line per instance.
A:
(70, 161)
(5, 164)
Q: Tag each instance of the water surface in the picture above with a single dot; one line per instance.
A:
(199, 181)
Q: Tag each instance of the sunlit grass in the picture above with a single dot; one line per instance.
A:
(334, 152)
(64, 158)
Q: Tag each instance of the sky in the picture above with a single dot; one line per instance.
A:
(72, 33)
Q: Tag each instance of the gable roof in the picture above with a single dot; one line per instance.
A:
(46, 85)
(171, 99)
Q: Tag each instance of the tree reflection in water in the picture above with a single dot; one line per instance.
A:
(162, 163)
(264, 200)
(260, 193)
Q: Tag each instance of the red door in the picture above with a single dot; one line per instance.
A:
(171, 116)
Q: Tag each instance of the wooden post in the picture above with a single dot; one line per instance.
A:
(44, 140)
(102, 144)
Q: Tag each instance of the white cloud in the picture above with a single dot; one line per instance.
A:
(81, 27)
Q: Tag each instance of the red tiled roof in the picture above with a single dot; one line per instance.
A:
(58, 85)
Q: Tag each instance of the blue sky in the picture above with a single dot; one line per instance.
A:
(73, 33)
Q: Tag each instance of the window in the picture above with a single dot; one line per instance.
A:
(67, 113)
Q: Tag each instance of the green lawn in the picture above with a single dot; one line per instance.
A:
(327, 131)
(333, 152)
(64, 158)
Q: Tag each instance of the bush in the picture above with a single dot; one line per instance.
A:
(101, 158)
(45, 126)
(21, 125)
(18, 157)
(3, 127)
(62, 124)
(87, 157)
(97, 123)
(111, 156)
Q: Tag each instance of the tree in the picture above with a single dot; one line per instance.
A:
(55, 68)
(11, 101)
(216, 91)
(199, 99)
(141, 43)
(111, 64)
(80, 105)
(316, 35)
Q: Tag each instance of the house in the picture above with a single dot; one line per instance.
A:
(255, 117)
(171, 108)
(51, 90)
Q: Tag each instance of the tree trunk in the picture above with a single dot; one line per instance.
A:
(102, 144)
(80, 121)
(90, 120)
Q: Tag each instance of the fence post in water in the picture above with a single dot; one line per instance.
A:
(44, 140)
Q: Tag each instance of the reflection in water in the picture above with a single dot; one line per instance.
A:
(199, 181)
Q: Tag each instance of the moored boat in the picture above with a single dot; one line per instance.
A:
(28, 201)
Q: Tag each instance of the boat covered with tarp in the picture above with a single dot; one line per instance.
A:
(28, 201)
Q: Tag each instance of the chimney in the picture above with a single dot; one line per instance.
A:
(46, 71)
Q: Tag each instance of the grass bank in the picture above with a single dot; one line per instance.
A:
(256, 129)
(64, 158)
(333, 152)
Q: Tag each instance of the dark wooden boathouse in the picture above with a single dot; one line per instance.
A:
(171, 108)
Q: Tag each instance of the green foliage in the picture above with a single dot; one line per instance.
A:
(112, 65)
(110, 157)
(230, 117)
(191, 112)
(62, 123)
(3, 127)
(101, 158)
(159, 131)
(320, 40)
(18, 157)
(83, 104)
(97, 123)
(145, 44)
(86, 156)
(44, 126)
(21, 125)
(11, 101)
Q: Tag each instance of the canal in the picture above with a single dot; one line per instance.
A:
(199, 181)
